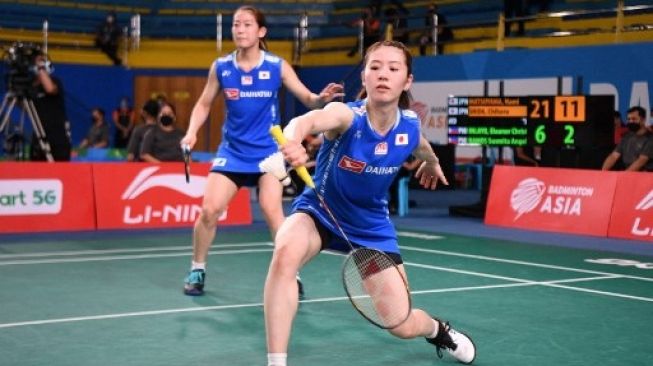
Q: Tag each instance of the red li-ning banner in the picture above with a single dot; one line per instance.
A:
(46, 197)
(147, 196)
(559, 200)
(632, 213)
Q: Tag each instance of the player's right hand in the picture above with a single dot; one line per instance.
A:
(294, 153)
(189, 140)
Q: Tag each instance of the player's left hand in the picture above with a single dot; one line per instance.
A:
(331, 92)
(429, 173)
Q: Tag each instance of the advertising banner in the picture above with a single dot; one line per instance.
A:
(632, 213)
(149, 196)
(37, 197)
(560, 200)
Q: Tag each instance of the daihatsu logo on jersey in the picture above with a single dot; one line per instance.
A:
(533, 194)
(643, 226)
(232, 93)
(139, 210)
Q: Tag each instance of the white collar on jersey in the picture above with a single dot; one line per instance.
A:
(234, 60)
(369, 123)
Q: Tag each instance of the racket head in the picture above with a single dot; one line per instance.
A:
(186, 150)
(376, 287)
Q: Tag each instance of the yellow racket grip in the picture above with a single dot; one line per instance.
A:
(279, 137)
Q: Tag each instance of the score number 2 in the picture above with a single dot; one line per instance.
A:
(540, 135)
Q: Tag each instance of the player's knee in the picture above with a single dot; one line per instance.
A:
(284, 261)
(210, 215)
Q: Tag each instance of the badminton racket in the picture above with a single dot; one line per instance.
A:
(372, 280)
(185, 148)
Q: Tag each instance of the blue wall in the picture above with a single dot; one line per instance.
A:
(624, 69)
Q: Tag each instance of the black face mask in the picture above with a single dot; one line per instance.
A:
(166, 120)
(634, 127)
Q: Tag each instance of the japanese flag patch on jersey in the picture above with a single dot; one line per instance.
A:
(401, 139)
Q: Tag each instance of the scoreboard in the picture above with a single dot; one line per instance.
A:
(569, 120)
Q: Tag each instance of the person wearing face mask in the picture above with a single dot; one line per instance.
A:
(636, 147)
(149, 115)
(162, 143)
(124, 118)
(98, 134)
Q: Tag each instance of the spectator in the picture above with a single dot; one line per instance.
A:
(371, 30)
(98, 134)
(444, 32)
(399, 24)
(124, 119)
(50, 108)
(163, 142)
(107, 38)
(527, 155)
(149, 114)
(636, 147)
(514, 9)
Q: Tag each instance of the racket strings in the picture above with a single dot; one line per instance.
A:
(376, 288)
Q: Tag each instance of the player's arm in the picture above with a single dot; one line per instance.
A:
(430, 171)
(202, 107)
(332, 120)
(299, 90)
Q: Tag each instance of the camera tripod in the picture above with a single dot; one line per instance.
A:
(27, 104)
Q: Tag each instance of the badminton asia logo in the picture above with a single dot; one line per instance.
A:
(532, 194)
(640, 226)
(162, 208)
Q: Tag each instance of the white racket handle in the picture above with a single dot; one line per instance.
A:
(278, 136)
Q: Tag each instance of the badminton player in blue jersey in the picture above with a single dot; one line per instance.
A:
(365, 144)
(249, 79)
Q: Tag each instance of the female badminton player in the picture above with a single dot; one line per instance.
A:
(249, 78)
(365, 143)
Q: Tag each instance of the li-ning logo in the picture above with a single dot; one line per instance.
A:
(145, 180)
(555, 199)
(526, 196)
(145, 211)
(646, 202)
(640, 228)
(352, 165)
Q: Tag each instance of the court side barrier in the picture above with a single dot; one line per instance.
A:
(588, 202)
(41, 197)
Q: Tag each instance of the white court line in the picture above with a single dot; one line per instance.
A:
(125, 250)
(524, 263)
(250, 305)
(126, 257)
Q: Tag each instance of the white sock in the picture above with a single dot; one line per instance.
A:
(277, 359)
(198, 265)
(435, 331)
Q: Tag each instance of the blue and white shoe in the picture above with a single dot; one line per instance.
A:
(194, 284)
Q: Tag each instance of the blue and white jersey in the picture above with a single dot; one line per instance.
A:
(252, 107)
(354, 173)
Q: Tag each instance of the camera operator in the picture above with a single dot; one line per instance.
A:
(47, 95)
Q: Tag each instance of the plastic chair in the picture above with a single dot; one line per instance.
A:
(402, 196)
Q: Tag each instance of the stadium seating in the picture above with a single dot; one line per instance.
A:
(170, 25)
